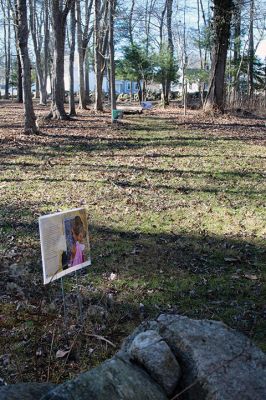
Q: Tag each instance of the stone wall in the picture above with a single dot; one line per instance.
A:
(161, 359)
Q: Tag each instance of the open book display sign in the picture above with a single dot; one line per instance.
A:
(64, 243)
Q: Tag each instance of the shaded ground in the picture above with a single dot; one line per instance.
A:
(177, 214)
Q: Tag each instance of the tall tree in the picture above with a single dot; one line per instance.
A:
(136, 65)
(148, 13)
(111, 11)
(131, 39)
(130, 22)
(100, 47)
(98, 57)
(22, 35)
(169, 56)
(39, 33)
(19, 68)
(236, 45)
(184, 60)
(220, 39)
(7, 44)
(87, 75)
(19, 79)
(72, 43)
(251, 52)
(83, 37)
(59, 12)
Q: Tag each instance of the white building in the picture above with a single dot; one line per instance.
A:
(121, 86)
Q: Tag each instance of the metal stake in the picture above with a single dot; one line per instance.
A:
(79, 299)
(63, 298)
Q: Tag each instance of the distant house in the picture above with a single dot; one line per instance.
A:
(191, 87)
(194, 77)
(123, 86)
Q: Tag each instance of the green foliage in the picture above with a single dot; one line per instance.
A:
(259, 72)
(165, 66)
(197, 75)
(135, 65)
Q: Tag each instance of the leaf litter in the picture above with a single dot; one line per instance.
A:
(176, 212)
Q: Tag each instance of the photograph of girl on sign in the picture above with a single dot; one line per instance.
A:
(64, 243)
(75, 236)
(78, 247)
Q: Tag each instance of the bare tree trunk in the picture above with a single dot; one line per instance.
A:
(184, 62)
(131, 90)
(144, 89)
(140, 91)
(86, 37)
(201, 84)
(87, 77)
(7, 39)
(130, 26)
(150, 4)
(47, 55)
(19, 79)
(8, 69)
(72, 110)
(58, 17)
(82, 97)
(35, 32)
(251, 52)
(98, 58)
(164, 78)
(37, 86)
(22, 35)
(169, 12)
(112, 5)
(19, 69)
(221, 32)
(237, 46)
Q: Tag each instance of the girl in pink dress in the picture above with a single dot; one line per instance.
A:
(78, 248)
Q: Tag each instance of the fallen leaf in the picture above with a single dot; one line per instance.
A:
(91, 350)
(112, 277)
(61, 353)
(251, 277)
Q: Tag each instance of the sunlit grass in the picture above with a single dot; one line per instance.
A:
(175, 211)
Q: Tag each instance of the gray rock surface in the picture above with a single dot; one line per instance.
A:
(221, 363)
(25, 391)
(115, 379)
(217, 363)
(150, 350)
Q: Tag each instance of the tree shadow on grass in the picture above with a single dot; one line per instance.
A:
(185, 273)
(219, 175)
(198, 275)
(70, 148)
(216, 121)
(198, 253)
(172, 249)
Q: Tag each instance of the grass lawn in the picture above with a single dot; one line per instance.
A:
(176, 212)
